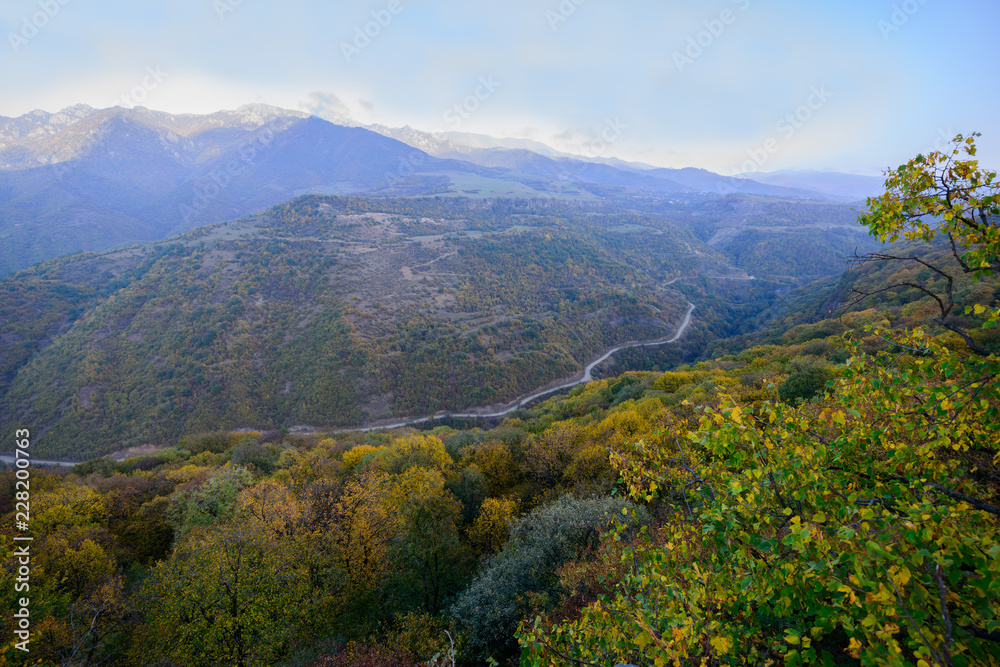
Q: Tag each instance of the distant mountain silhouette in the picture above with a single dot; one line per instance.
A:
(87, 179)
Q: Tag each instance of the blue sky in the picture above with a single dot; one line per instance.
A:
(728, 85)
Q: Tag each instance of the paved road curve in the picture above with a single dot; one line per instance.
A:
(586, 377)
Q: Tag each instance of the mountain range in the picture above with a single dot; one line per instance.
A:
(86, 179)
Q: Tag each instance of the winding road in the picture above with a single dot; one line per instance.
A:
(587, 376)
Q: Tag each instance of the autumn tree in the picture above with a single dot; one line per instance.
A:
(862, 524)
(223, 597)
(941, 194)
(431, 560)
(491, 528)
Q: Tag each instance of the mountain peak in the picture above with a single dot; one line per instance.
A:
(258, 114)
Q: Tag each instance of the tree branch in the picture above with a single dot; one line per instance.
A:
(969, 340)
(566, 657)
(980, 633)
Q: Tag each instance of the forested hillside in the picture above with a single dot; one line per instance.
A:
(549, 537)
(831, 497)
(342, 311)
(382, 539)
(330, 311)
(782, 239)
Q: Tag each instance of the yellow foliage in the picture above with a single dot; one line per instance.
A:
(233, 438)
(671, 382)
(272, 506)
(187, 473)
(624, 423)
(414, 486)
(589, 464)
(306, 467)
(72, 561)
(491, 528)
(353, 457)
(426, 451)
(497, 463)
(548, 455)
(366, 525)
(863, 318)
(648, 407)
(67, 505)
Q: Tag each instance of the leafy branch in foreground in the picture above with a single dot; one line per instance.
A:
(940, 194)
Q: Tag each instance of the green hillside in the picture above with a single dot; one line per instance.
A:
(331, 311)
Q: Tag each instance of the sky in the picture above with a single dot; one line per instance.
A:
(727, 85)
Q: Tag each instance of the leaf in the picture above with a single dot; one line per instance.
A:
(722, 644)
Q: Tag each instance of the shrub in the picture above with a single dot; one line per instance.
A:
(804, 385)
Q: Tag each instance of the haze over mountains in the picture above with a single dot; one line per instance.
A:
(86, 179)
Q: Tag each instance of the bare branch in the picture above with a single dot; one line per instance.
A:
(958, 257)
(566, 657)
(969, 340)
(945, 652)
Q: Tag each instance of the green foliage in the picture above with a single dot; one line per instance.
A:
(805, 384)
(525, 569)
(225, 597)
(940, 193)
(205, 502)
(430, 557)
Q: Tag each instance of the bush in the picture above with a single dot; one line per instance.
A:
(805, 384)
(252, 454)
(210, 502)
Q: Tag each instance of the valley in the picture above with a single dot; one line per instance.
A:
(344, 312)
(520, 334)
(331, 312)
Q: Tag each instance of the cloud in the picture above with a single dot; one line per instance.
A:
(327, 106)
